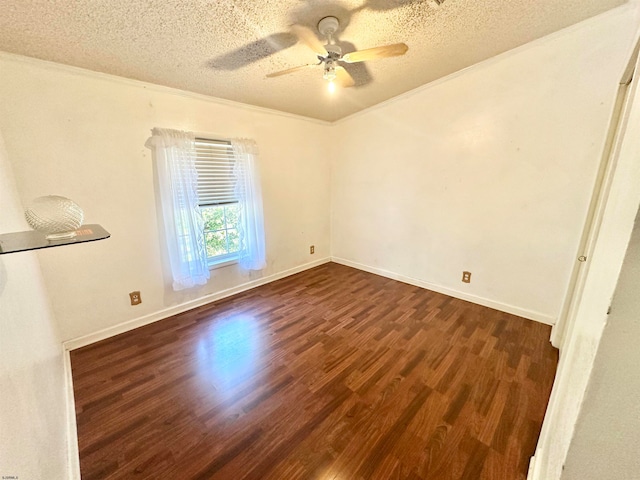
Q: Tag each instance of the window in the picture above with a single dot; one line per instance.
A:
(221, 179)
(215, 162)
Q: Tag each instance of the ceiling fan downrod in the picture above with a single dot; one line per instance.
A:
(327, 27)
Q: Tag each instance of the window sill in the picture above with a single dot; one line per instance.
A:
(222, 263)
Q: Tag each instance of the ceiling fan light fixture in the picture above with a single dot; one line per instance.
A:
(329, 72)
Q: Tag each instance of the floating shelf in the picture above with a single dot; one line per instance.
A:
(33, 240)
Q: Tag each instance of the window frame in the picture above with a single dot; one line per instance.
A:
(229, 258)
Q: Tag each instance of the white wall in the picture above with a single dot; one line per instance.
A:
(490, 171)
(605, 444)
(82, 135)
(33, 422)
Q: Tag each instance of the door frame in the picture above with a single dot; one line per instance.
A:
(597, 205)
(617, 200)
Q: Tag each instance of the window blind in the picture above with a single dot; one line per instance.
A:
(214, 162)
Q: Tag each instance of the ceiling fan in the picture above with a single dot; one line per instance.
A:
(330, 55)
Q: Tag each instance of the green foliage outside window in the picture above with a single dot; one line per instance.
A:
(221, 229)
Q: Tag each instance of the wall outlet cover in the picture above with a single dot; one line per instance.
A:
(135, 297)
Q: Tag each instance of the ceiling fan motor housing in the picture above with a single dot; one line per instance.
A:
(334, 51)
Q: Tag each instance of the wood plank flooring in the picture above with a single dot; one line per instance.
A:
(331, 374)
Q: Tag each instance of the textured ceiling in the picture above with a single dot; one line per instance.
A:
(225, 48)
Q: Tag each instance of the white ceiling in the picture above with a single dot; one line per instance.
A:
(225, 48)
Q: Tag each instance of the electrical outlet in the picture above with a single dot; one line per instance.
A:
(135, 297)
(312, 249)
(466, 277)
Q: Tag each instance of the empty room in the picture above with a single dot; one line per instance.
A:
(332, 240)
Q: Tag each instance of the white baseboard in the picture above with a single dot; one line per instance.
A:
(73, 455)
(183, 307)
(533, 472)
(503, 307)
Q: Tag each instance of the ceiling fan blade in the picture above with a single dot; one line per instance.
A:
(291, 70)
(394, 50)
(344, 78)
(309, 38)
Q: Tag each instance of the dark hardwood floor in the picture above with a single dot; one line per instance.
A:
(330, 374)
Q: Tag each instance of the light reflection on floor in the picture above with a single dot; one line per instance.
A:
(230, 353)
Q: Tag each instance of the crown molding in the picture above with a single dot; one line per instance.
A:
(631, 7)
(154, 87)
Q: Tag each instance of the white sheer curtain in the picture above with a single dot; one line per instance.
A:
(174, 154)
(249, 193)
